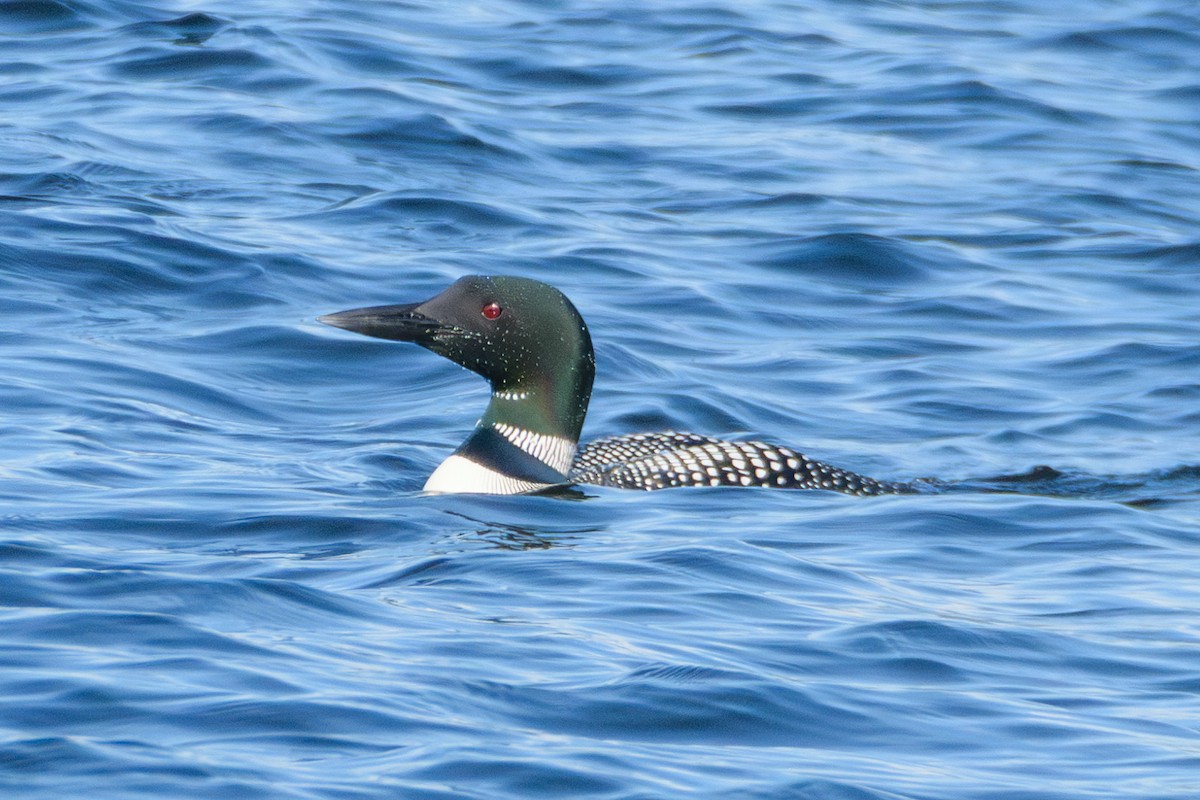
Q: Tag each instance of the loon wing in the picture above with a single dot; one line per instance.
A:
(661, 460)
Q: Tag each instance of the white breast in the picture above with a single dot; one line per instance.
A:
(459, 475)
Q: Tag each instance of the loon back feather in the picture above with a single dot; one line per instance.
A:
(665, 460)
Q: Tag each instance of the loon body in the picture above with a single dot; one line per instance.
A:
(531, 344)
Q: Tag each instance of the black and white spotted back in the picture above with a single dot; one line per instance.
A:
(663, 460)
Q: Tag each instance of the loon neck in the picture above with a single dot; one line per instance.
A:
(542, 423)
(528, 435)
(519, 445)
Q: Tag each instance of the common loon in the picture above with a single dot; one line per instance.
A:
(531, 344)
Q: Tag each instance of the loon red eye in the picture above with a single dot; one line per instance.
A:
(491, 311)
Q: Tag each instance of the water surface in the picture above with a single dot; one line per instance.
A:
(953, 240)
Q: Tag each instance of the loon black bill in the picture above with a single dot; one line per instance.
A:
(402, 323)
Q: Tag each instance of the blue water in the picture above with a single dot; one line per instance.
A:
(949, 239)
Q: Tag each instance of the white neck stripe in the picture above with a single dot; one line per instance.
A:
(554, 451)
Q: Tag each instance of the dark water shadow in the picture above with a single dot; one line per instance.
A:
(522, 537)
(1149, 490)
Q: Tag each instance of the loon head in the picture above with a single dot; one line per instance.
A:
(524, 336)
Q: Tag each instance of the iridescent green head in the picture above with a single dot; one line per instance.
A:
(524, 336)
